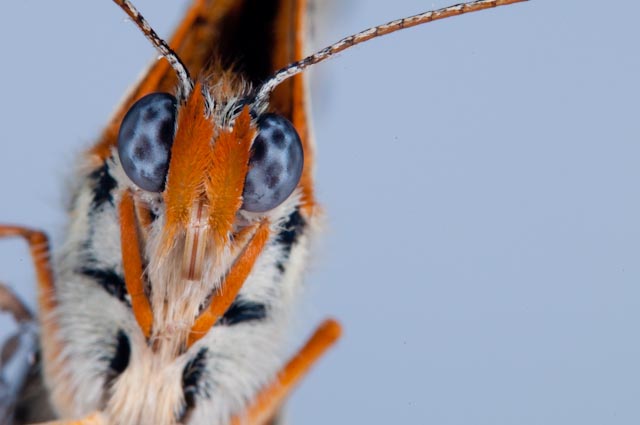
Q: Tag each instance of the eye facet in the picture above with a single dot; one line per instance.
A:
(275, 165)
(145, 139)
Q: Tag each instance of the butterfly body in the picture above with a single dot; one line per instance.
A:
(107, 362)
(97, 355)
(234, 358)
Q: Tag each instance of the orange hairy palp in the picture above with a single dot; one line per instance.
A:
(191, 156)
(226, 175)
(231, 285)
(206, 167)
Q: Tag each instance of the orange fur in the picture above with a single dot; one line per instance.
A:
(226, 175)
(191, 41)
(231, 285)
(207, 170)
(191, 159)
(299, 113)
(143, 216)
(290, 97)
(209, 165)
(205, 182)
(284, 52)
(132, 265)
(39, 248)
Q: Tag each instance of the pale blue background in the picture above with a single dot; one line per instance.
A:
(480, 177)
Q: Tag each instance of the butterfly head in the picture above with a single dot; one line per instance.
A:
(217, 165)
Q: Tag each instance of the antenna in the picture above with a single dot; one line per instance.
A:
(368, 34)
(186, 84)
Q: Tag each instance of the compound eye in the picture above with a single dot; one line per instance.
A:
(275, 165)
(145, 139)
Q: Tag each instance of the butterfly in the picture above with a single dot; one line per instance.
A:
(192, 218)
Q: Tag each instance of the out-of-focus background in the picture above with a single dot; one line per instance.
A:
(480, 177)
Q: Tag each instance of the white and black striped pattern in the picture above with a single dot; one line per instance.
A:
(108, 365)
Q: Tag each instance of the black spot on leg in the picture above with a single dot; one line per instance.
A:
(103, 185)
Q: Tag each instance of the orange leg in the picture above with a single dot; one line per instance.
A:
(269, 400)
(39, 247)
(231, 285)
(10, 303)
(132, 265)
(17, 350)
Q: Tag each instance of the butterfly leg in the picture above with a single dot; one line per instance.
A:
(232, 283)
(40, 254)
(270, 399)
(132, 264)
(39, 247)
(18, 352)
(20, 349)
(10, 303)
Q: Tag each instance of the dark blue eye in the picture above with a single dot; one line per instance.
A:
(145, 139)
(275, 165)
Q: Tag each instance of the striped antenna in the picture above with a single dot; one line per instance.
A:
(393, 26)
(186, 84)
